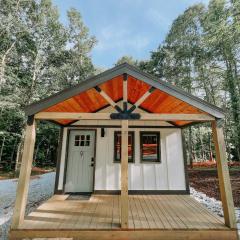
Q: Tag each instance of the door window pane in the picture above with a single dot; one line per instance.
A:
(76, 140)
(82, 137)
(82, 140)
(150, 149)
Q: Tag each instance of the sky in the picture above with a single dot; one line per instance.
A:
(125, 27)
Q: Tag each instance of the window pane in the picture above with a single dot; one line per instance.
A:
(87, 143)
(130, 148)
(76, 143)
(150, 147)
(82, 137)
(82, 143)
(117, 147)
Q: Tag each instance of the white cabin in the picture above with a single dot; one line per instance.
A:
(121, 144)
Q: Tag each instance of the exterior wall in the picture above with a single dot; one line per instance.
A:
(167, 175)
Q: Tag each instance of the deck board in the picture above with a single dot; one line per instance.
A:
(153, 211)
(103, 212)
(206, 218)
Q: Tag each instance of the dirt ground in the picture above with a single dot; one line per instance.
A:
(206, 181)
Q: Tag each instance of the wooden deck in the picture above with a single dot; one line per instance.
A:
(60, 216)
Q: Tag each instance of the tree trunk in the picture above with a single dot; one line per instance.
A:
(13, 151)
(190, 152)
(1, 151)
(34, 78)
(37, 149)
(210, 147)
(19, 151)
(3, 64)
(231, 83)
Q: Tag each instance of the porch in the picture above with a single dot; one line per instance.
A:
(99, 216)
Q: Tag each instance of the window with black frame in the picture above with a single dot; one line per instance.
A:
(150, 147)
(117, 146)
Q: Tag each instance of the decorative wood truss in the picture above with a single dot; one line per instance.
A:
(59, 114)
(142, 91)
(161, 102)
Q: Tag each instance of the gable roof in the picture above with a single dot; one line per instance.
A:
(115, 73)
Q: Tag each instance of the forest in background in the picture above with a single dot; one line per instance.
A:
(40, 56)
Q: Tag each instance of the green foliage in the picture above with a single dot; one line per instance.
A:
(76, 64)
(201, 55)
(38, 57)
(46, 145)
(127, 59)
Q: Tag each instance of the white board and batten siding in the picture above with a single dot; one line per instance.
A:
(166, 175)
(169, 174)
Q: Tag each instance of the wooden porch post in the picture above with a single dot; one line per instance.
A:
(223, 175)
(124, 175)
(25, 172)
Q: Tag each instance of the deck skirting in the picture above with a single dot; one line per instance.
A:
(144, 192)
(126, 234)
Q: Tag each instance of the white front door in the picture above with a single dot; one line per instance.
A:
(80, 164)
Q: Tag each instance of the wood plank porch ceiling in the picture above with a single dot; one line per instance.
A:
(91, 101)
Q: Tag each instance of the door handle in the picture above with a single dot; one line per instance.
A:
(92, 165)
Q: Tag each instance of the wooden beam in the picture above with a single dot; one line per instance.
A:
(25, 172)
(72, 115)
(176, 117)
(124, 175)
(106, 116)
(144, 96)
(223, 175)
(142, 99)
(106, 97)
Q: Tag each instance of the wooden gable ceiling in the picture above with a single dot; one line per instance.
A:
(91, 101)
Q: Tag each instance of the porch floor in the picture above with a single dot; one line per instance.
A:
(103, 212)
